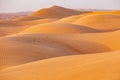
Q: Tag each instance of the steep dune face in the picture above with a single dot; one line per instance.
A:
(100, 21)
(59, 28)
(55, 12)
(20, 49)
(86, 67)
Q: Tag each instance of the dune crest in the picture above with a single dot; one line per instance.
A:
(100, 21)
(58, 28)
(55, 12)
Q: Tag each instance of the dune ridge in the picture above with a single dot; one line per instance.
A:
(19, 49)
(102, 22)
(55, 12)
(58, 28)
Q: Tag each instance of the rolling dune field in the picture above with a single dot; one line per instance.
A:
(59, 43)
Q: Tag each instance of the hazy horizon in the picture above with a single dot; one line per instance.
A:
(33, 5)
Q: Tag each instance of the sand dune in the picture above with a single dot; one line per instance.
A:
(9, 30)
(19, 49)
(100, 21)
(27, 18)
(39, 21)
(10, 23)
(58, 43)
(56, 12)
(52, 12)
(107, 12)
(72, 19)
(109, 39)
(58, 28)
(86, 67)
(12, 27)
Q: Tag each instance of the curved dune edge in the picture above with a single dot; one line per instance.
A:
(100, 21)
(73, 18)
(109, 39)
(14, 27)
(19, 49)
(86, 67)
(58, 28)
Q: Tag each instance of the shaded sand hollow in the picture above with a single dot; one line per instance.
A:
(19, 49)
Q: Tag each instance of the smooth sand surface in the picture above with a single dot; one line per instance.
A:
(103, 66)
(103, 22)
(19, 49)
(72, 19)
(13, 26)
(58, 28)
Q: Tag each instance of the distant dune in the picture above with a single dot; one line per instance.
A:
(72, 19)
(85, 67)
(103, 22)
(10, 16)
(52, 12)
(12, 27)
(56, 12)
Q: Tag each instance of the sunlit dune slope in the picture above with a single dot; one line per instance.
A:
(55, 12)
(72, 19)
(12, 27)
(103, 66)
(100, 21)
(58, 28)
(19, 49)
(107, 12)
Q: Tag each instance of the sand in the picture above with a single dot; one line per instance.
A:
(55, 12)
(104, 22)
(58, 28)
(19, 49)
(58, 43)
(80, 67)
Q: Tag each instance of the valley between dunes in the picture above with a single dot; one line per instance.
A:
(58, 43)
